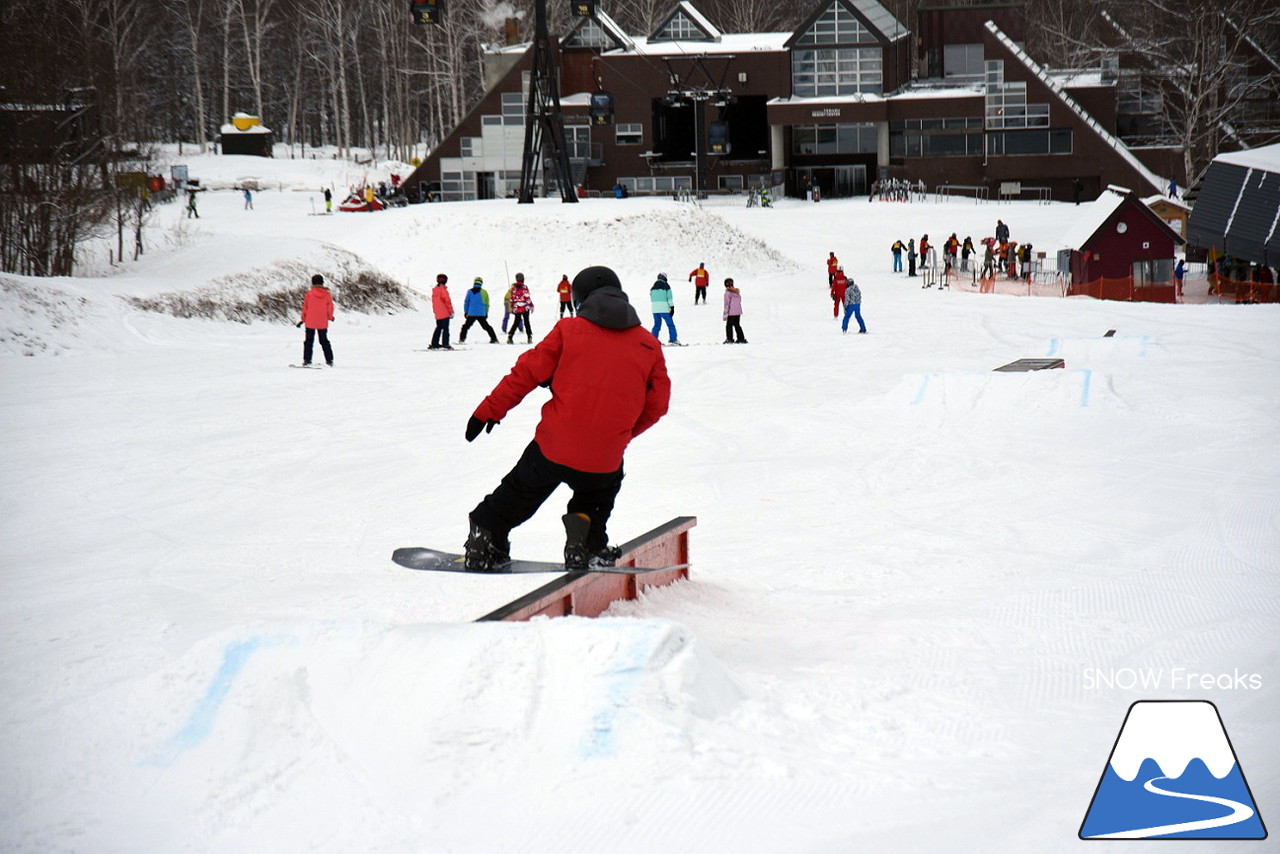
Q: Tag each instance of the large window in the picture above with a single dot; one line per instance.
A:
(834, 139)
(657, 184)
(1006, 102)
(1051, 141)
(963, 60)
(935, 138)
(836, 26)
(680, 28)
(837, 71)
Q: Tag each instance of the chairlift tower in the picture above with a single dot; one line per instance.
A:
(543, 121)
(683, 90)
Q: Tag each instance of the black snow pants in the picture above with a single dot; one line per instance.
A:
(524, 489)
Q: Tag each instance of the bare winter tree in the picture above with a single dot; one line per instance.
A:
(1199, 60)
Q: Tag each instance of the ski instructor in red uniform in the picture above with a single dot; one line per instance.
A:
(608, 384)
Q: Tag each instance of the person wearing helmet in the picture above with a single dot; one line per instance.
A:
(317, 314)
(700, 278)
(608, 384)
(565, 290)
(664, 308)
(521, 307)
(475, 308)
(442, 307)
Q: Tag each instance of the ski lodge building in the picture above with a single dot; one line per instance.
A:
(832, 104)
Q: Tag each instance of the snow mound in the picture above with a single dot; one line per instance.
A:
(37, 319)
(546, 241)
(259, 294)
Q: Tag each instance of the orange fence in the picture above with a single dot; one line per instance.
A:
(1126, 290)
(1234, 290)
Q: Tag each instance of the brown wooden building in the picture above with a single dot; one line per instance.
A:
(832, 103)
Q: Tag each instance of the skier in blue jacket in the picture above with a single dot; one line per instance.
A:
(664, 308)
(475, 308)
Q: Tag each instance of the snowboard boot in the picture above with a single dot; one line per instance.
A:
(485, 551)
(579, 554)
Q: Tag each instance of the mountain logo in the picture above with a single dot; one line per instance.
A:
(1172, 774)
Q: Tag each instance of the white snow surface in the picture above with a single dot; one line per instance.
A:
(917, 585)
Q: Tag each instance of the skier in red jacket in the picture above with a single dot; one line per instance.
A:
(317, 313)
(608, 384)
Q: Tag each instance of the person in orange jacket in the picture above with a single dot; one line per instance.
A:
(838, 285)
(317, 314)
(701, 278)
(833, 264)
(610, 385)
(565, 290)
(442, 307)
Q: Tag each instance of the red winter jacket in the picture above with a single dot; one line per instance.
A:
(607, 387)
(441, 303)
(838, 285)
(317, 308)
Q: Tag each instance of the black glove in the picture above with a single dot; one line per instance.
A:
(298, 324)
(475, 425)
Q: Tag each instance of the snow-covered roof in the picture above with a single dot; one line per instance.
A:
(1160, 198)
(1157, 183)
(232, 129)
(730, 43)
(881, 18)
(1266, 158)
(1092, 217)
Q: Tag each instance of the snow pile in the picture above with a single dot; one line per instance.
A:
(266, 294)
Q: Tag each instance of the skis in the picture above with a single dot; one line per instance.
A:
(433, 560)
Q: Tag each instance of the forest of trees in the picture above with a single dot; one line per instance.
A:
(359, 73)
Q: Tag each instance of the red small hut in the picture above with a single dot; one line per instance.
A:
(1121, 249)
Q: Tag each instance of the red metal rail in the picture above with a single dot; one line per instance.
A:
(589, 594)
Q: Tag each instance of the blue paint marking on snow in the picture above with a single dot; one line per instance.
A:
(626, 674)
(923, 388)
(1088, 381)
(200, 722)
(1142, 349)
(1055, 344)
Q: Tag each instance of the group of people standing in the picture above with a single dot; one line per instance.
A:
(999, 255)
(517, 310)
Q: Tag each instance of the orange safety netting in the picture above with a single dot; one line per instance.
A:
(1240, 291)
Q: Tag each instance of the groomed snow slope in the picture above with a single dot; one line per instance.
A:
(917, 587)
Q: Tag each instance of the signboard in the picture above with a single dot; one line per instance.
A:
(426, 11)
(584, 9)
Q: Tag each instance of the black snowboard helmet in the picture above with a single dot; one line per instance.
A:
(317, 279)
(591, 279)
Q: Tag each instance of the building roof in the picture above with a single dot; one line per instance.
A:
(1096, 214)
(1237, 210)
(1158, 184)
(1267, 157)
(870, 13)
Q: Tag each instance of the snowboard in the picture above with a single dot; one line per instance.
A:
(309, 367)
(450, 349)
(433, 560)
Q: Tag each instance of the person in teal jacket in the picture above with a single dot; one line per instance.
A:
(664, 308)
(475, 308)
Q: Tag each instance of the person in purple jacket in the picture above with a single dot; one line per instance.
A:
(733, 314)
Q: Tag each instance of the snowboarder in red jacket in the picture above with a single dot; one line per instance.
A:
(317, 314)
(608, 384)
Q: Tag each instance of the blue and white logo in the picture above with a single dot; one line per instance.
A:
(1173, 774)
